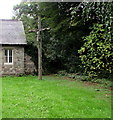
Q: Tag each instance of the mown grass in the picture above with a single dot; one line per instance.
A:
(53, 97)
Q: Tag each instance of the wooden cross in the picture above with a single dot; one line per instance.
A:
(39, 40)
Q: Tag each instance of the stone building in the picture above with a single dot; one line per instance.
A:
(12, 43)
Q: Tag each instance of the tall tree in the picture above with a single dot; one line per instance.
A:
(60, 43)
(96, 53)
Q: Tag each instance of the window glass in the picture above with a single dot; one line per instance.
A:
(10, 52)
(8, 56)
(6, 52)
(10, 59)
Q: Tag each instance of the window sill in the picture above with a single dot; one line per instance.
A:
(8, 63)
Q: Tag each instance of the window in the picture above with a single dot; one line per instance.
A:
(8, 56)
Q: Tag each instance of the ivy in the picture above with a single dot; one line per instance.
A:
(97, 52)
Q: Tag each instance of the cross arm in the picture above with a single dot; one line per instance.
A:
(37, 30)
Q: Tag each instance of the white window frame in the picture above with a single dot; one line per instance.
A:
(8, 63)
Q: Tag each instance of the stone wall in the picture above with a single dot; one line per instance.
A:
(0, 60)
(17, 67)
(22, 63)
(29, 65)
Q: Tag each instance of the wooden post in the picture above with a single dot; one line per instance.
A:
(39, 49)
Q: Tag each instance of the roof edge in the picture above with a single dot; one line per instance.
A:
(9, 20)
(12, 44)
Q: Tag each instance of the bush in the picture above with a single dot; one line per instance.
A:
(97, 52)
(62, 73)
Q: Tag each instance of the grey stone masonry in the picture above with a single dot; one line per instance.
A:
(0, 60)
(17, 66)
(29, 65)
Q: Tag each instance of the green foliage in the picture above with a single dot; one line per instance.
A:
(60, 43)
(69, 23)
(62, 73)
(79, 77)
(63, 43)
(93, 12)
(27, 13)
(97, 52)
(103, 82)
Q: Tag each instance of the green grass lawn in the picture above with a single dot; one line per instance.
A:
(53, 97)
